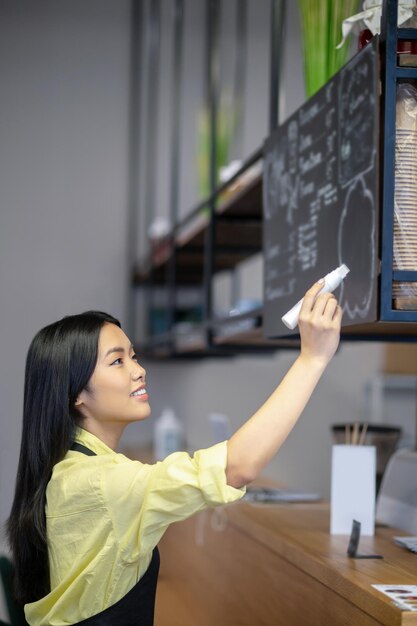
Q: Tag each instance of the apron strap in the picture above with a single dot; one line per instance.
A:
(78, 447)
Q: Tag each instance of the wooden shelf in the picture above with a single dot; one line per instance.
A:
(231, 336)
(382, 331)
(254, 338)
(378, 331)
(238, 236)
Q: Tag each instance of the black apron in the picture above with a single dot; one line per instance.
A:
(137, 607)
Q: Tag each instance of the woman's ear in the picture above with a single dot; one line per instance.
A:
(83, 402)
(79, 407)
(80, 400)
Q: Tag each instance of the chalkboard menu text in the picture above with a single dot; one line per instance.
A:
(320, 191)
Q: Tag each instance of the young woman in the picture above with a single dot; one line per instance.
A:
(85, 520)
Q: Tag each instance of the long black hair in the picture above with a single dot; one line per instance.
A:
(59, 364)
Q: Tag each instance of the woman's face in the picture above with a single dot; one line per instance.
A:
(116, 391)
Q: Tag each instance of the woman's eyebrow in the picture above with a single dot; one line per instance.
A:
(117, 349)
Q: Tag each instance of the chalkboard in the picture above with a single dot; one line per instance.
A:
(320, 196)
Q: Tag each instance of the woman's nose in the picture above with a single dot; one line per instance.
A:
(138, 371)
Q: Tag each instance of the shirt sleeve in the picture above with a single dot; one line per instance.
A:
(143, 500)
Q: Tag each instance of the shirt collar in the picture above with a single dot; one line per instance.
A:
(92, 442)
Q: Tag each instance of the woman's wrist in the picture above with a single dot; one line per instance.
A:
(313, 362)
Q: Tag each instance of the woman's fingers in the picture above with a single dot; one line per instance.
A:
(317, 304)
(325, 305)
(323, 311)
(311, 295)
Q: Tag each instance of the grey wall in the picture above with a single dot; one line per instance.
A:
(63, 180)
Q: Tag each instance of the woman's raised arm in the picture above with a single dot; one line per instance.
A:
(253, 445)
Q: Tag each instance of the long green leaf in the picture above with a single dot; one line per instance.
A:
(321, 27)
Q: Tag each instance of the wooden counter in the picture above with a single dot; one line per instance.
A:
(276, 565)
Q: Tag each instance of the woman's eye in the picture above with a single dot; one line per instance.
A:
(118, 361)
(135, 357)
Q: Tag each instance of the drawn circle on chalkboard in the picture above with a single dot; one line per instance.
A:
(356, 248)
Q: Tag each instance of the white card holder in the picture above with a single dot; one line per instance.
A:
(353, 483)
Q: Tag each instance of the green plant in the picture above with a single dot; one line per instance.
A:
(321, 25)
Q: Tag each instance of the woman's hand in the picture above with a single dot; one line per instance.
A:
(319, 324)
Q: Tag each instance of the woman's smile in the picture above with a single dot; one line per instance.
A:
(140, 394)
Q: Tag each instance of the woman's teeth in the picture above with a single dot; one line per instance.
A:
(139, 392)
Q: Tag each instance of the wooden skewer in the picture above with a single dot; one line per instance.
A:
(355, 434)
(363, 434)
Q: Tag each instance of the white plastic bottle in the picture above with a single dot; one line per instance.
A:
(167, 434)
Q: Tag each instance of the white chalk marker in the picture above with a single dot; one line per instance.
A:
(331, 281)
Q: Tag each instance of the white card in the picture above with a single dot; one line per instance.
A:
(404, 596)
(353, 489)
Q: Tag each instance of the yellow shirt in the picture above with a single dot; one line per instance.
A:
(106, 513)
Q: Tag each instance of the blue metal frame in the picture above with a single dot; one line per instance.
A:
(392, 74)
